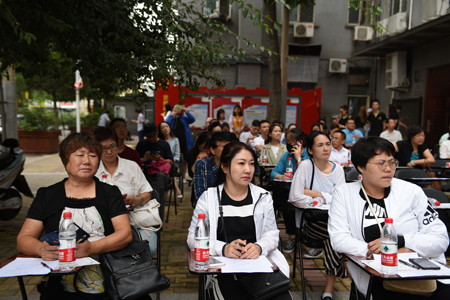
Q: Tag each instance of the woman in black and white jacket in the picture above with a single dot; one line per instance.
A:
(249, 220)
(354, 230)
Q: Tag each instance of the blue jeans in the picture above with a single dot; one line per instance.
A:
(152, 239)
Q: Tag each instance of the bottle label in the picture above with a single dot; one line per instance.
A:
(67, 250)
(201, 249)
(288, 172)
(264, 160)
(389, 255)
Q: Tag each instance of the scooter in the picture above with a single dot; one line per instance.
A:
(11, 167)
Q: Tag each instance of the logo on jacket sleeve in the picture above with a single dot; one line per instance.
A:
(430, 215)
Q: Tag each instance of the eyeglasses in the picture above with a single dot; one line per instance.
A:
(112, 148)
(382, 164)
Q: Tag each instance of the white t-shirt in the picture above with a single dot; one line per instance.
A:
(444, 150)
(259, 141)
(128, 177)
(275, 150)
(339, 157)
(393, 137)
(141, 121)
(103, 119)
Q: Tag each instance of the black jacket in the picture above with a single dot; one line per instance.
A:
(405, 149)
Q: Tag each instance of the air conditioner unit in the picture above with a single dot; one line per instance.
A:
(396, 70)
(432, 9)
(384, 24)
(363, 33)
(305, 30)
(397, 23)
(338, 65)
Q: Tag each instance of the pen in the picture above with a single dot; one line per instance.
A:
(371, 254)
(45, 265)
(409, 264)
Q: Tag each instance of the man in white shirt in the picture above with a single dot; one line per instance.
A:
(250, 136)
(391, 134)
(104, 119)
(261, 140)
(140, 123)
(339, 154)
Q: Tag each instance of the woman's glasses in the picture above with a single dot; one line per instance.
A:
(383, 164)
(112, 148)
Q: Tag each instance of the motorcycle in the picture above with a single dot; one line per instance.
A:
(11, 167)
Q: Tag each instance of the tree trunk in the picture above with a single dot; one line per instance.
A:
(55, 110)
(274, 112)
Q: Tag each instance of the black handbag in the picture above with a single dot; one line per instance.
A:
(314, 215)
(258, 285)
(130, 273)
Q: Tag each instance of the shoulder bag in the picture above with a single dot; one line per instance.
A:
(314, 215)
(130, 273)
(259, 286)
(423, 288)
(146, 216)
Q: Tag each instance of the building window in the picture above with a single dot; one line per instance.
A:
(217, 9)
(398, 6)
(305, 13)
(358, 16)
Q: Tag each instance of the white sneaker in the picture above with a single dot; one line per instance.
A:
(314, 253)
(290, 245)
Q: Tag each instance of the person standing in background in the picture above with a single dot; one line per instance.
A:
(376, 119)
(361, 120)
(221, 116)
(140, 123)
(236, 121)
(344, 116)
(104, 119)
(180, 127)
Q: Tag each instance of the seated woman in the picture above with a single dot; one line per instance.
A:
(354, 231)
(281, 190)
(249, 226)
(127, 176)
(444, 150)
(165, 133)
(275, 149)
(413, 152)
(317, 178)
(96, 207)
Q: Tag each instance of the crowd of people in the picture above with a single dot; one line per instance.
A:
(223, 162)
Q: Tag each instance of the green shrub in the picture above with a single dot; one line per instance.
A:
(36, 118)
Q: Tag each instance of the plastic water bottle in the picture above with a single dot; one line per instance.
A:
(104, 178)
(264, 155)
(350, 164)
(67, 243)
(353, 141)
(289, 168)
(434, 202)
(318, 201)
(201, 248)
(389, 244)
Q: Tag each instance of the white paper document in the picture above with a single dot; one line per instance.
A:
(235, 265)
(406, 271)
(23, 266)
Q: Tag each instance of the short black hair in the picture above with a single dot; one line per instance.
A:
(220, 137)
(111, 124)
(265, 121)
(368, 147)
(373, 101)
(311, 137)
(138, 110)
(256, 123)
(344, 107)
(299, 134)
(214, 124)
(348, 119)
(225, 124)
(390, 118)
(343, 135)
(314, 125)
(413, 130)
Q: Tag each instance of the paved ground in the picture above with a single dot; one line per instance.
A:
(44, 170)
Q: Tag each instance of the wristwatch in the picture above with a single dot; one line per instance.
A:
(299, 160)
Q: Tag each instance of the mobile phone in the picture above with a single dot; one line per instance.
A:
(52, 238)
(299, 144)
(81, 234)
(214, 263)
(424, 264)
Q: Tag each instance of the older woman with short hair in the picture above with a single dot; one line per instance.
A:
(96, 207)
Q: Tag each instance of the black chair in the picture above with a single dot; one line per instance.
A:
(439, 167)
(413, 173)
(175, 173)
(301, 238)
(352, 175)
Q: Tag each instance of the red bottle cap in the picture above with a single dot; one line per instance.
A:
(264, 147)
(198, 157)
(437, 203)
(67, 215)
(201, 216)
(289, 158)
(315, 202)
(104, 176)
(388, 220)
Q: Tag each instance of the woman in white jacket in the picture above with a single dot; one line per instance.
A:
(317, 178)
(354, 230)
(249, 223)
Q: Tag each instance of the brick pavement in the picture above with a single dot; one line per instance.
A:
(44, 170)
